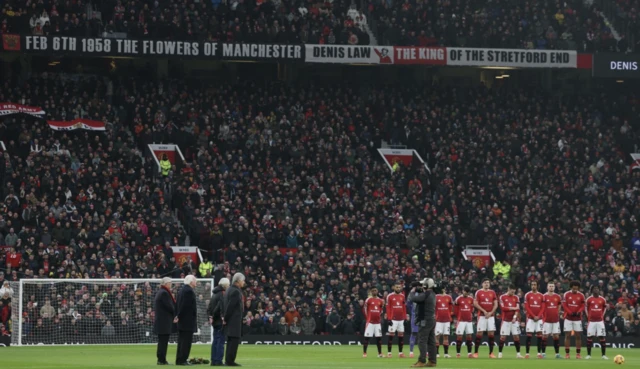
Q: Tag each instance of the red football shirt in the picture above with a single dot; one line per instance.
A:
(444, 308)
(396, 306)
(596, 306)
(465, 308)
(506, 303)
(533, 304)
(552, 302)
(573, 303)
(373, 310)
(485, 299)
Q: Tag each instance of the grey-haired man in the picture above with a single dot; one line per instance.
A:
(216, 311)
(233, 313)
(164, 306)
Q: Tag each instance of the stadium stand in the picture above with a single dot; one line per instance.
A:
(285, 185)
(623, 15)
(539, 24)
(228, 21)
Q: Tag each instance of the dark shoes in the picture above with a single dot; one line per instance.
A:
(233, 364)
(217, 364)
(186, 363)
(163, 363)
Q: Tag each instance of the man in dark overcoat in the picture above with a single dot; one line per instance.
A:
(164, 306)
(187, 319)
(233, 312)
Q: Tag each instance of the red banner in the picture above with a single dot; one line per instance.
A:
(480, 256)
(11, 42)
(182, 254)
(89, 125)
(417, 55)
(392, 156)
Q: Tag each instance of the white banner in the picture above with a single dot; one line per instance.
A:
(11, 108)
(347, 54)
(470, 57)
(635, 165)
(478, 252)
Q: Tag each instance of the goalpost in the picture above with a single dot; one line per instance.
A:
(95, 311)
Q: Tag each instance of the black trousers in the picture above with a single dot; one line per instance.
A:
(184, 346)
(427, 342)
(161, 352)
(232, 350)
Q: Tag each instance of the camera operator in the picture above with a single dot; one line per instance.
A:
(423, 297)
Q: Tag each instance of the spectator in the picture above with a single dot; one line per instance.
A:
(271, 327)
(294, 327)
(47, 311)
(108, 330)
(292, 315)
(333, 322)
(6, 290)
(349, 325)
(308, 324)
(283, 327)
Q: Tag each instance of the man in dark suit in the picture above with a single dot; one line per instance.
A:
(214, 310)
(186, 315)
(164, 307)
(233, 312)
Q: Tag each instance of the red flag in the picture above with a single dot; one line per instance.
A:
(89, 125)
(11, 42)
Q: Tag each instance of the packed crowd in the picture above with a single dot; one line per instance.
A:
(285, 184)
(218, 20)
(107, 313)
(624, 15)
(540, 24)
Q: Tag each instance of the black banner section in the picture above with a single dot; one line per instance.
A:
(142, 337)
(88, 47)
(336, 340)
(612, 65)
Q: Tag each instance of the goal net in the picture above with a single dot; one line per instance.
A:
(94, 311)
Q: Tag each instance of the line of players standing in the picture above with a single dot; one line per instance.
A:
(543, 313)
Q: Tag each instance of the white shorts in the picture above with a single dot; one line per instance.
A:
(396, 326)
(551, 328)
(572, 325)
(486, 324)
(510, 328)
(443, 328)
(463, 328)
(373, 330)
(596, 329)
(533, 326)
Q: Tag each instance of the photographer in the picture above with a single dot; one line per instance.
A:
(423, 297)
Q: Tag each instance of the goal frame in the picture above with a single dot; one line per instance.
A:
(88, 281)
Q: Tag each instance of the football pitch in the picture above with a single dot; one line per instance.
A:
(277, 357)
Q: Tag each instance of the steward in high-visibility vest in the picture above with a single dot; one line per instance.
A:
(206, 268)
(165, 165)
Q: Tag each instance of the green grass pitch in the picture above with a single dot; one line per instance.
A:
(278, 357)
